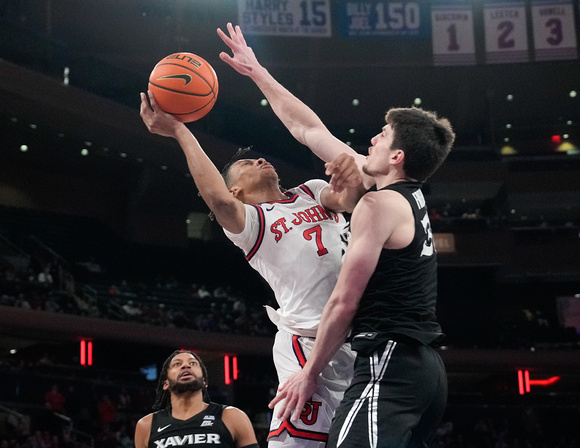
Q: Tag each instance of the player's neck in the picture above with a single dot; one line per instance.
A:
(185, 406)
(269, 194)
(391, 178)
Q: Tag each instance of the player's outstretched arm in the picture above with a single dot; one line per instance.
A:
(229, 211)
(300, 120)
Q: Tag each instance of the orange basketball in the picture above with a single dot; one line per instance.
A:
(184, 85)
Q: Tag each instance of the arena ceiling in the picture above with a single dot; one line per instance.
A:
(110, 47)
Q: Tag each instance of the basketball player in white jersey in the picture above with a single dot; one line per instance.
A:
(302, 282)
(294, 240)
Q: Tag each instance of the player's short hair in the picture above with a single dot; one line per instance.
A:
(425, 138)
(226, 171)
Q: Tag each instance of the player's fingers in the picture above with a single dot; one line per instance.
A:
(152, 100)
(285, 410)
(240, 34)
(273, 402)
(224, 37)
(339, 175)
(279, 397)
(226, 58)
(144, 104)
(231, 30)
(297, 412)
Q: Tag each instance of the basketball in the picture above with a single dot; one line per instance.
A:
(184, 85)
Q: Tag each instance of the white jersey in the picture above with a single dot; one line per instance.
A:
(297, 246)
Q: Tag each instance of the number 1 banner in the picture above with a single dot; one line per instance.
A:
(506, 33)
(554, 32)
(285, 17)
(452, 34)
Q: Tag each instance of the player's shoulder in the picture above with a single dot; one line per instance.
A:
(146, 420)
(381, 202)
(381, 196)
(315, 185)
(143, 429)
(233, 415)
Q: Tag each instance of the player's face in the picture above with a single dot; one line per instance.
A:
(380, 152)
(184, 374)
(249, 172)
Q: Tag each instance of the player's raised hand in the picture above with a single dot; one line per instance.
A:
(343, 172)
(243, 60)
(157, 121)
(293, 395)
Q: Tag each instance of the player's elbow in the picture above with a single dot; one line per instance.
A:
(343, 306)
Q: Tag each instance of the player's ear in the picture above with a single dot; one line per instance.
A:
(235, 191)
(165, 385)
(397, 156)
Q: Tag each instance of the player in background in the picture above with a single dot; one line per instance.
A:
(185, 415)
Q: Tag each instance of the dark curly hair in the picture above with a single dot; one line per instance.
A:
(162, 399)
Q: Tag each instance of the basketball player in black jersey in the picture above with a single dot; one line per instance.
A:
(186, 417)
(386, 297)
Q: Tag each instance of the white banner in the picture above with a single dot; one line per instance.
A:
(285, 17)
(452, 34)
(506, 33)
(554, 32)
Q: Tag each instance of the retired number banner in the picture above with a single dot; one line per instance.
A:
(285, 17)
(506, 33)
(452, 34)
(554, 32)
(397, 19)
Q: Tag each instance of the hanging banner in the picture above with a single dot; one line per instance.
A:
(452, 34)
(285, 17)
(554, 32)
(408, 19)
(506, 33)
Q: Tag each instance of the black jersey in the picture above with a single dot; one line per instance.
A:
(401, 295)
(205, 429)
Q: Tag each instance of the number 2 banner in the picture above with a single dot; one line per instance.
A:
(452, 34)
(506, 34)
(554, 32)
(285, 17)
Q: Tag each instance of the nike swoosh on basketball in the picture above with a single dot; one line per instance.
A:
(184, 76)
(162, 428)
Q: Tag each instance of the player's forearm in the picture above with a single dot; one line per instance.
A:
(298, 118)
(205, 175)
(347, 199)
(332, 333)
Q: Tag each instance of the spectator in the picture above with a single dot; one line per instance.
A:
(54, 400)
(106, 410)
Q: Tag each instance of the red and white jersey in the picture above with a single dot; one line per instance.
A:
(297, 246)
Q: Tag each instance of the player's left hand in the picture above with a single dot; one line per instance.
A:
(344, 173)
(295, 392)
(244, 60)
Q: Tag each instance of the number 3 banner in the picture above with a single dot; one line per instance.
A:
(506, 34)
(452, 34)
(285, 17)
(554, 33)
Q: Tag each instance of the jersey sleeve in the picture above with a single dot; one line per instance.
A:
(316, 186)
(248, 237)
